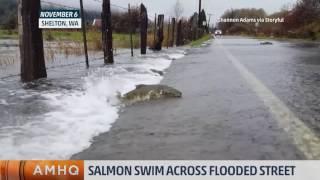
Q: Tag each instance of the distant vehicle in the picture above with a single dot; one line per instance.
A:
(218, 33)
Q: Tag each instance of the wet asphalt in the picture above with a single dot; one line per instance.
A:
(220, 116)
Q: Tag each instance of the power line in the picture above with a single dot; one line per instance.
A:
(58, 5)
(118, 6)
(114, 5)
(100, 1)
(61, 5)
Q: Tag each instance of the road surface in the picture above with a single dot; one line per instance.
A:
(241, 101)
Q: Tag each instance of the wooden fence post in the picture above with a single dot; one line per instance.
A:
(168, 34)
(179, 34)
(130, 29)
(173, 22)
(143, 29)
(155, 30)
(31, 41)
(107, 32)
(160, 36)
(84, 34)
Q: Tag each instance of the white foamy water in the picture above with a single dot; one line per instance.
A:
(3, 102)
(78, 116)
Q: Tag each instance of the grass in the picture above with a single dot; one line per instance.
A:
(8, 34)
(77, 35)
(318, 35)
(123, 40)
(93, 37)
(200, 41)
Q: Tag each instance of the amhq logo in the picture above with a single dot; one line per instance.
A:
(39, 170)
(60, 19)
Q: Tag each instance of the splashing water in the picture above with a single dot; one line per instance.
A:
(73, 116)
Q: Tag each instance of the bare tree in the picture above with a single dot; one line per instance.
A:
(287, 7)
(178, 9)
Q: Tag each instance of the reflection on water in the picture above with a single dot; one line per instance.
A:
(291, 70)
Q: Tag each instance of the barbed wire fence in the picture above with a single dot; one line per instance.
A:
(52, 49)
(123, 40)
(66, 47)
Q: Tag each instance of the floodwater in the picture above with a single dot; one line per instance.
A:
(56, 117)
(241, 100)
(291, 70)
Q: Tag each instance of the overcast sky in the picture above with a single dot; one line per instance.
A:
(216, 7)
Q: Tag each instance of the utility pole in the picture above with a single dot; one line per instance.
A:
(84, 34)
(199, 20)
(208, 23)
(209, 19)
(31, 41)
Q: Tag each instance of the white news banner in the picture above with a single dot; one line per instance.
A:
(207, 170)
(60, 23)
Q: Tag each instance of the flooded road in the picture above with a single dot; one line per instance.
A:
(290, 70)
(241, 100)
(301, 134)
